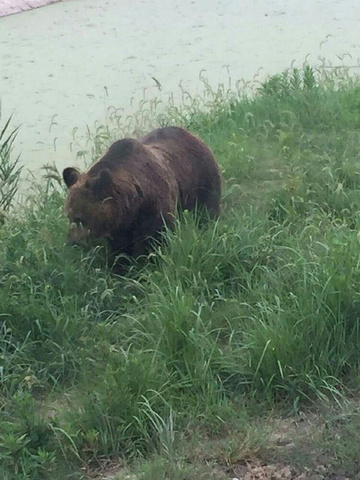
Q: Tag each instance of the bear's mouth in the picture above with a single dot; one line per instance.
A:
(71, 242)
(78, 234)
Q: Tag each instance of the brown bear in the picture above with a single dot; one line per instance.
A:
(135, 188)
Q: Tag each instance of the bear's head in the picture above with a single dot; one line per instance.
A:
(90, 205)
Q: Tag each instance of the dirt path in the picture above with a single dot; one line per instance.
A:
(61, 66)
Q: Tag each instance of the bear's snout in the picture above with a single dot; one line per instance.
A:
(71, 242)
(77, 234)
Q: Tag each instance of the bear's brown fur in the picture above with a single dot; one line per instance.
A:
(135, 187)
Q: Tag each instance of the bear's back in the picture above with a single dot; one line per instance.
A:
(192, 164)
(118, 154)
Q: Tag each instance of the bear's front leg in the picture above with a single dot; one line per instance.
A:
(149, 223)
(145, 234)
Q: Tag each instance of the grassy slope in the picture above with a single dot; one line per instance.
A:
(257, 313)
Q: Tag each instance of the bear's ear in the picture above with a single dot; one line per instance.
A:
(102, 184)
(70, 176)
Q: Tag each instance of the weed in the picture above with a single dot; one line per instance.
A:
(9, 167)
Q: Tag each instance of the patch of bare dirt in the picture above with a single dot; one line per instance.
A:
(292, 449)
(259, 471)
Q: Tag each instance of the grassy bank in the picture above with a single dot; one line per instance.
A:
(178, 368)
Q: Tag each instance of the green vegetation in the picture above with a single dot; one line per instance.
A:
(9, 169)
(178, 368)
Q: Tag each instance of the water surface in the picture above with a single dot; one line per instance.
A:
(61, 66)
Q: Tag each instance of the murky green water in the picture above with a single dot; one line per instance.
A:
(61, 66)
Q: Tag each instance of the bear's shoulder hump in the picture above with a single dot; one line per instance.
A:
(124, 147)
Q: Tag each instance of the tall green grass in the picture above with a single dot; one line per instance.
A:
(10, 169)
(259, 308)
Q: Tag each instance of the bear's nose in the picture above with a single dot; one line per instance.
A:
(71, 242)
